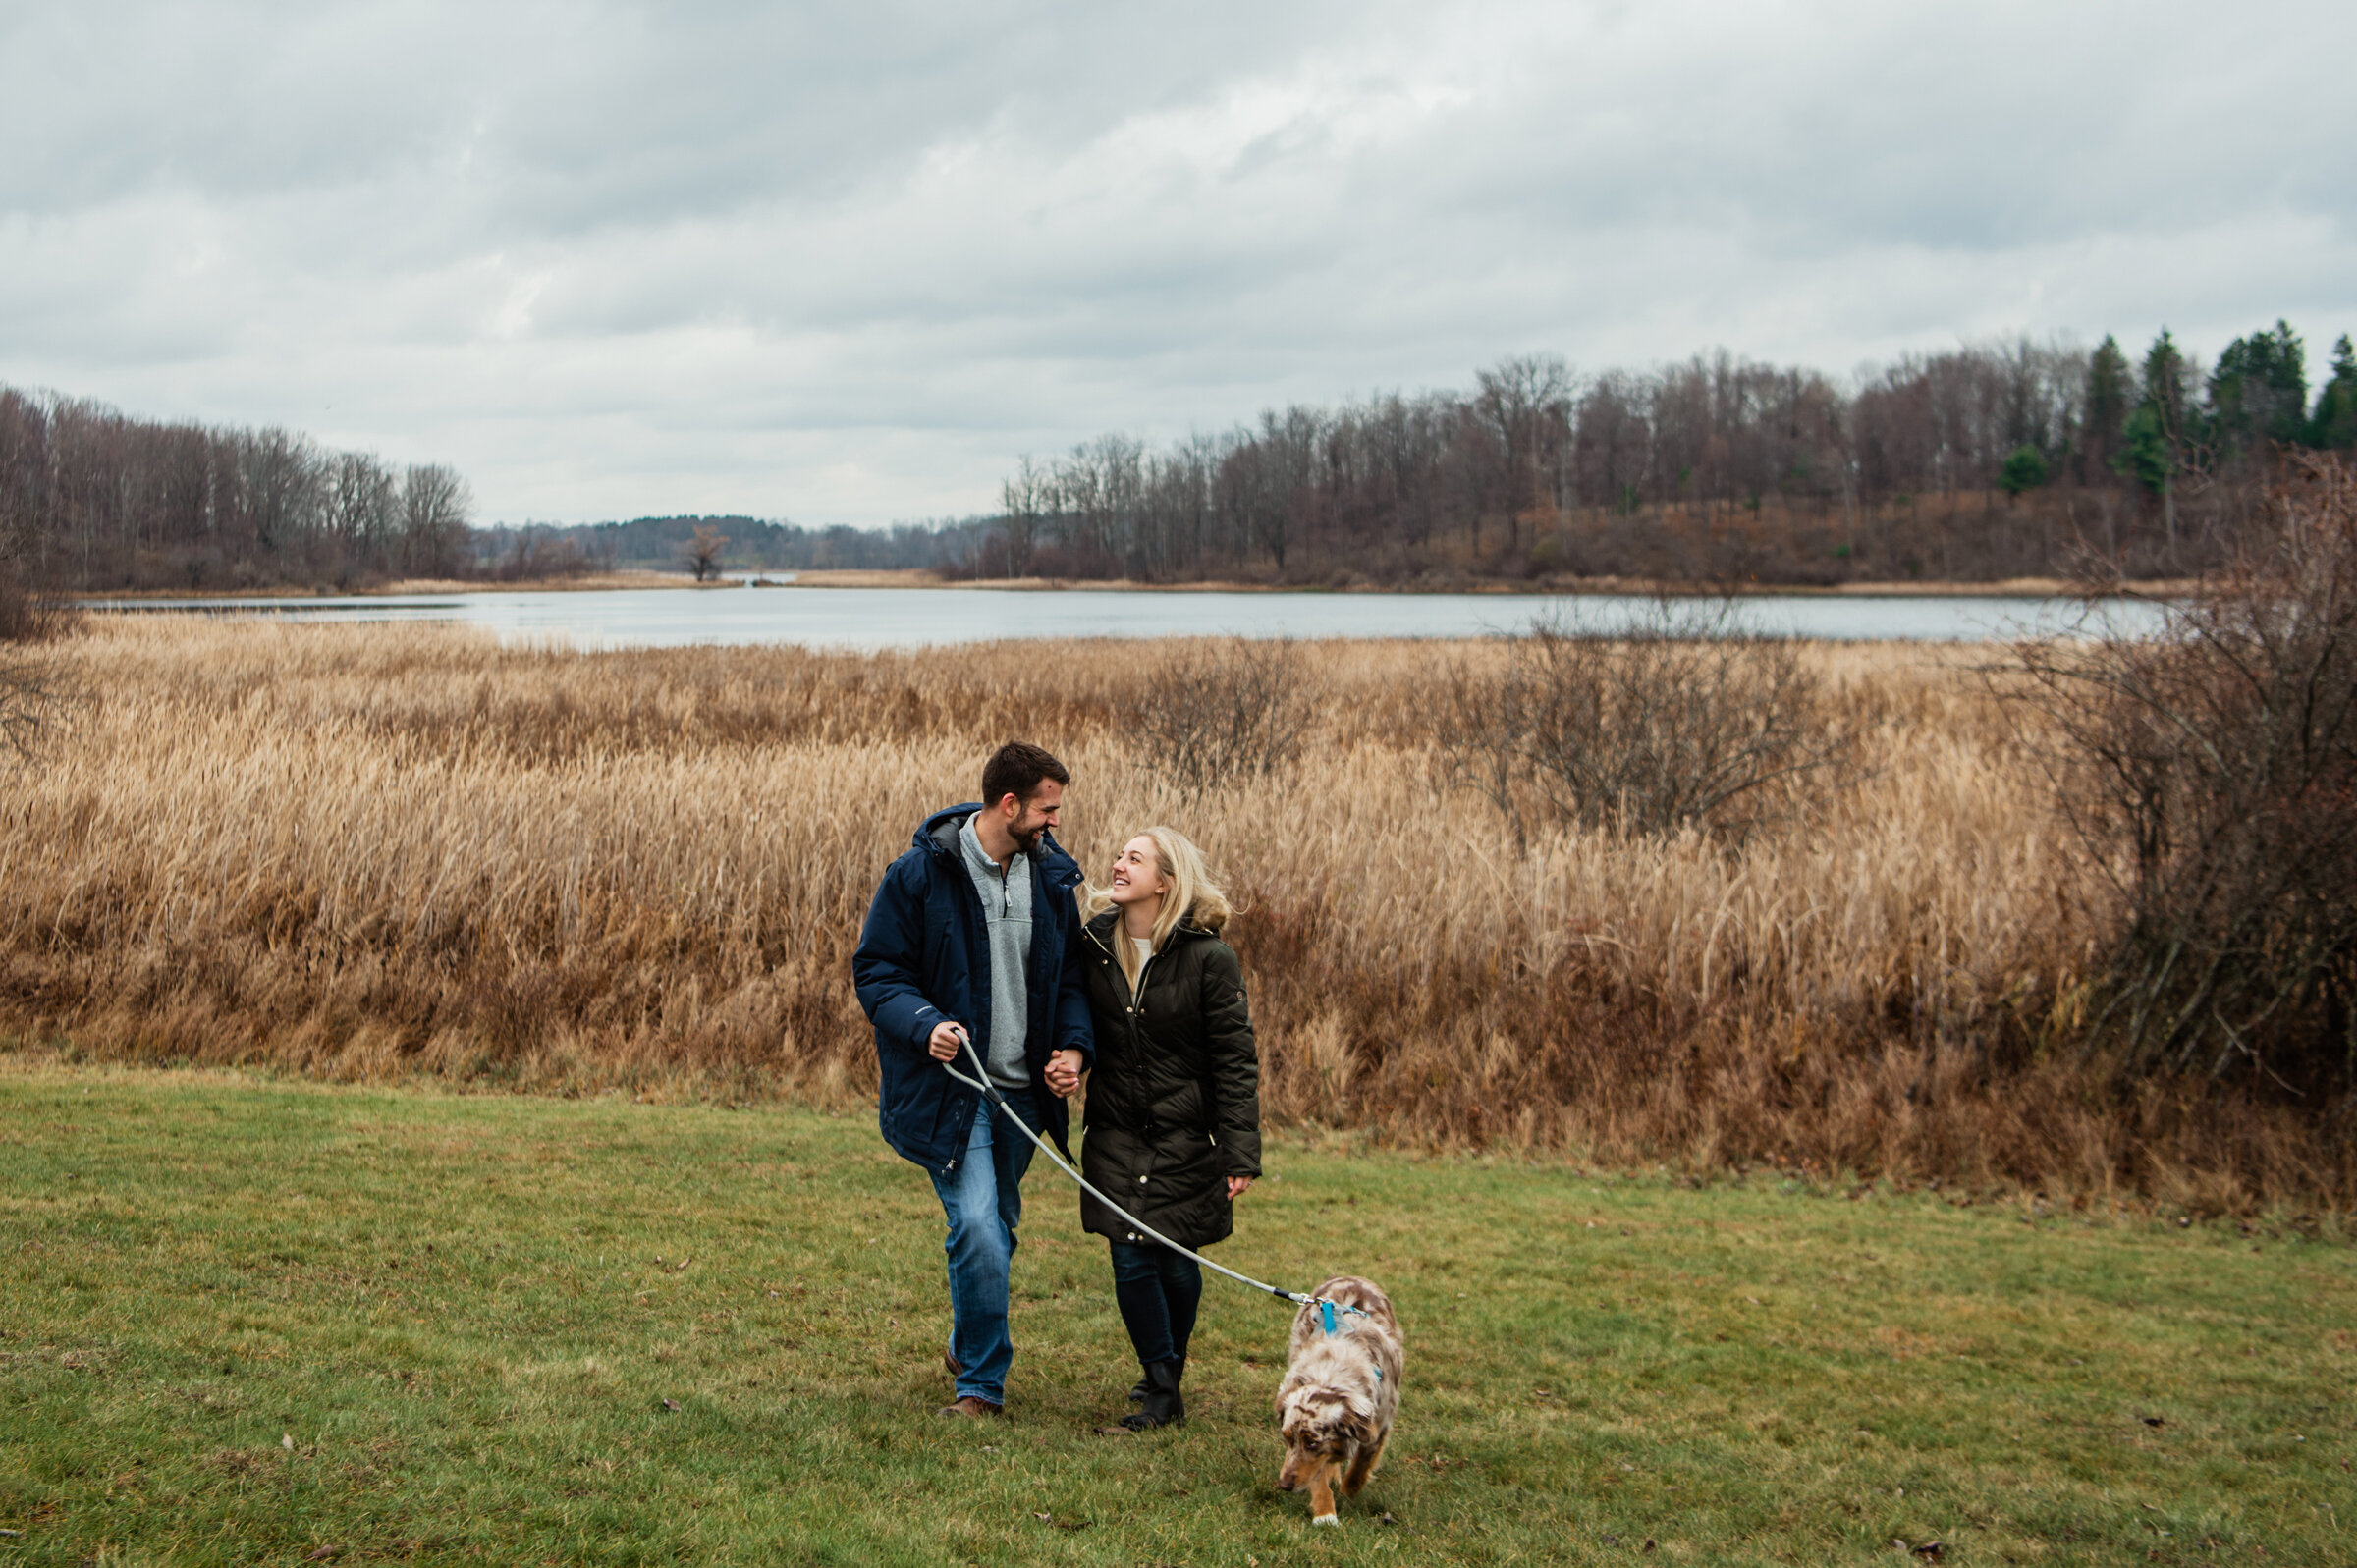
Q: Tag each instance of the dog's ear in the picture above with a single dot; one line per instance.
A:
(1359, 1425)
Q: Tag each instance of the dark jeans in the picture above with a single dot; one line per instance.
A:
(983, 1202)
(1157, 1290)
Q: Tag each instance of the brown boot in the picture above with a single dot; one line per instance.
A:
(971, 1407)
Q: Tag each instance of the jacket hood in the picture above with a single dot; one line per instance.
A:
(939, 835)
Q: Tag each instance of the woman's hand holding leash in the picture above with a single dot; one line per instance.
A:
(1238, 1186)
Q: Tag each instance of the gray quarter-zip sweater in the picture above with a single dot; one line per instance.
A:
(1006, 908)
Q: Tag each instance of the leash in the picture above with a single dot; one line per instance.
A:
(981, 1081)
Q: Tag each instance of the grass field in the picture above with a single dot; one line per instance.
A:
(248, 1320)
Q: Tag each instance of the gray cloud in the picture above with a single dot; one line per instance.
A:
(846, 262)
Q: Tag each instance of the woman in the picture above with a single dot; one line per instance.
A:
(1174, 1104)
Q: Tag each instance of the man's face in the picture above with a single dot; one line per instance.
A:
(1034, 816)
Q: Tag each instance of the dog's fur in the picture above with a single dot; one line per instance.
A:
(1335, 1411)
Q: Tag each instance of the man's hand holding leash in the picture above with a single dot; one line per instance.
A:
(1063, 1072)
(947, 1039)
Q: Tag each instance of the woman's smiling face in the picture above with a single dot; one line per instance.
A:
(1137, 874)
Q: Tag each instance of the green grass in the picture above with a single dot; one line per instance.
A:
(452, 1309)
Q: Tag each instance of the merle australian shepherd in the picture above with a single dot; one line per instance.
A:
(1340, 1391)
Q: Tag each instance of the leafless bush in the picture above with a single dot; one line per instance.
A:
(28, 695)
(1225, 711)
(27, 707)
(1681, 720)
(26, 617)
(2212, 772)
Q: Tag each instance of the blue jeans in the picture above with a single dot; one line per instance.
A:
(1158, 1291)
(983, 1199)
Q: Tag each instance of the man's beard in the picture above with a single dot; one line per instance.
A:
(1026, 841)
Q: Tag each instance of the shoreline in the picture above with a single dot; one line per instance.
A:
(1556, 587)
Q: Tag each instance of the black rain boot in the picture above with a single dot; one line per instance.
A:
(1145, 1386)
(1163, 1406)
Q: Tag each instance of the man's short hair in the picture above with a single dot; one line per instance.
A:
(1017, 768)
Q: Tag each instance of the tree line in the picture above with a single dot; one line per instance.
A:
(93, 499)
(1980, 462)
(1984, 461)
(744, 543)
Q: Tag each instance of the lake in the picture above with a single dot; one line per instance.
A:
(897, 617)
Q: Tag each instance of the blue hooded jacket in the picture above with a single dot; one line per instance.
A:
(924, 956)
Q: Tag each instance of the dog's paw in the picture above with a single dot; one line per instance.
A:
(1327, 1519)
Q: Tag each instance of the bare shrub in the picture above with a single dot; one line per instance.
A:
(27, 617)
(28, 706)
(29, 690)
(2211, 771)
(1227, 711)
(1681, 720)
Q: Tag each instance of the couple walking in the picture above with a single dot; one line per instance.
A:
(985, 926)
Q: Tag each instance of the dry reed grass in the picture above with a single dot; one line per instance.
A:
(369, 851)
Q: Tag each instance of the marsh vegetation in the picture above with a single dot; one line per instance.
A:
(372, 853)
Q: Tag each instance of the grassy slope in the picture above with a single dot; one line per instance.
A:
(453, 1309)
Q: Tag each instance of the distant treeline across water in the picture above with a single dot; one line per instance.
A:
(1985, 462)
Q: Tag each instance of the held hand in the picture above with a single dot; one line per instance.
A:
(948, 1039)
(1238, 1186)
(1062, 1073)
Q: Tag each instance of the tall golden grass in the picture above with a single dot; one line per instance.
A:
(371, 851)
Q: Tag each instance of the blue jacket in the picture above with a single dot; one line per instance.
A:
(924, 956)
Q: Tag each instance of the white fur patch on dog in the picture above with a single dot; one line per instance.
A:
(1327, 1519)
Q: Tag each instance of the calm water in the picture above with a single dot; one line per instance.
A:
(886, 618)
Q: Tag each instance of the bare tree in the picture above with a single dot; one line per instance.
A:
(1525, 407)
(435, 507)
(703, 551)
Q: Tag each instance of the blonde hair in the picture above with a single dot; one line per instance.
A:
(1193, 893)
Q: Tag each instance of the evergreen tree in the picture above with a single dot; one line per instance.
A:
(2144, 451)
(2154, 438)
(2107, 400)
(2259, 390)
(2024, 469)
(2159, 442)
(2335, 427)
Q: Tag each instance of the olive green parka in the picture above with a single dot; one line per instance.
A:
(1173, 1102)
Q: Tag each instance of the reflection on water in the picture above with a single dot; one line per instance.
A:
(897, 618)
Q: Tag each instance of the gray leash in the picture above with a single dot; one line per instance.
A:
(981, 1081)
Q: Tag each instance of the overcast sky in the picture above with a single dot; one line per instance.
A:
(846, 263)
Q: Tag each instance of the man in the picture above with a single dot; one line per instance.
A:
(974, 934)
